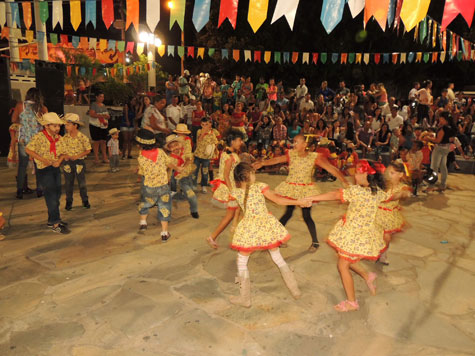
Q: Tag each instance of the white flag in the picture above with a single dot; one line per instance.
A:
(442, 57)
(2, 14)
(366, 58)
(287, 8)
(92, 43)
(305, 57)
(356, 6)
(247, 55)
(153, 14)
(57, 13)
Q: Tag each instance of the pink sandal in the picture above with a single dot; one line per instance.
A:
(370, 282)
(212, 242)
(346, 306)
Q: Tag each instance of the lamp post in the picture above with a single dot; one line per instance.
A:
(152, 43)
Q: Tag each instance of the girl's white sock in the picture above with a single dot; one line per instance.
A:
(241, 262)
(277, 258)
(143, 222)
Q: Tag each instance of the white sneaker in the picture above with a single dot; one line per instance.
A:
(204, 190)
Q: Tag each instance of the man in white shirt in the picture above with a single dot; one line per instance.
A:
(413, 91)
(153, 120)
(300, 91)
(174, 113)
(394, 120)
(306, 104)
(450, 93)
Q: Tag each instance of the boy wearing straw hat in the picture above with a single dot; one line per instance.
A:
(113, 148)
(184, 178)
(153, 164)
(42, 148)
(73, 147)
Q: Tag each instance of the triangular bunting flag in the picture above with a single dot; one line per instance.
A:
(29, 36)
(27, 18)
(332, 12)
(403, 58)
(366, 58)
(224, 53)
(177, 13)
(130, 47)
(102, 44)
(315, 58)
(53, 37)
(358, 58)
(378, 9)
(228, 10)
(64, 39)
(335, 57)
(434, 57)
(286, 57)
(395, 57)
(111, 45)
(91, 12)
(351, 58)
(140, 48)
(201, 52)
(411, 57)
(257, 56)
(257, 13)
(201, 13)
(107, 12)
(161, 50)
(236, 55)
(385, 57)
(323, 57)
(153, 14)
(277, 56)
(247, 55)
(171, 50)
(211, 52)
(3, 18)
(287, 8)
(121, 46)
(181, 51)
(57, 9)
(93, 43)
(344, 58)
(191, 52)
(377, 57)
(267, 55)
(413, 11)
(418, 57)
(75, 41)
(295, 57)
(75, 13)
(83, 43)
(305, 57)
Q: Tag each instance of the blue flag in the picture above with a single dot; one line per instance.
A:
(201, 13)
(334, 58)
(332, 12)
(111, 45)
(410, 57)
(224, 53)
(385, 57)
(16, 16)
(75, 41)
(391, 12)
(286, 57)
(91, 12)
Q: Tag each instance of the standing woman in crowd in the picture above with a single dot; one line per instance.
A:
(445, 135)
(143, 104)
(29, 112)
(171, 88)
(127, 127)
(98, 123)
(299, 183)
(383, 137)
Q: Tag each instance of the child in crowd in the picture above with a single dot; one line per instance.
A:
(388, 215)
(245, 156)
(356, 235)
(184, 178)
(113, 148)
(74, 147)
(206, 141)
(414, 163)
(259, 230)
(153, 163)
(42, 148)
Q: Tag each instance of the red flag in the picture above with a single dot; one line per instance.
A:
(395, 58)
(108, 12)
(454, 7)
(377, 57)
(191, 52)
(344, 57)
(315, 58)
(257, 56)
(434, 57)
(64, 39)
(295, 57)
(228, 10)
(94, 71)
(130, 47)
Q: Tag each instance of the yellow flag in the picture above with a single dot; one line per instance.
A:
(102, 44)
(201, 52)
(418, 57)
(140, 47)
(75, 6)
(416, 33)
(434, 33)
(358, 58)
(413, 12)
(267, 56)
(161, 50)
(29, 36)
(257, 13)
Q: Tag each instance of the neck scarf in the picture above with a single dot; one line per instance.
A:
(52, 141)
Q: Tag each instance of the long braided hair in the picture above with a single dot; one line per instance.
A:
(242, 174)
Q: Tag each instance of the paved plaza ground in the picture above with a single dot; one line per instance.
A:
(108, 290)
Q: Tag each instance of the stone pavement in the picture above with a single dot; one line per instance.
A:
(106, 289)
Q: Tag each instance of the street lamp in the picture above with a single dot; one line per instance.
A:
(152, 42)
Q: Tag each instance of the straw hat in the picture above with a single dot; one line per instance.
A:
(113, 131)
(145, 137)
(170, 139)
(72, 118)
(324, 141)
(182, 129)
(50, 118)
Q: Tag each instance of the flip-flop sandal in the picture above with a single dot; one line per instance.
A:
(346, 306)
(370, 282)
(211, 242)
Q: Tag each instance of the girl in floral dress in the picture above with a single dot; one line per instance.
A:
(225, 182)
(258, 230)
(356, 235)
(299, 181)
(389, 216)
(12, 159)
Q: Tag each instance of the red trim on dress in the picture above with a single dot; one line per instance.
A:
(397, 207)
(216, 183)
(341, 195)
(265, 189)
(393, 231)
(357, 257)
(257, 248)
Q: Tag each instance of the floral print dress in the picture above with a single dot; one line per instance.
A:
(356, 235)
(389, 216)
(258, 229)
(220, 189)
(298, 183)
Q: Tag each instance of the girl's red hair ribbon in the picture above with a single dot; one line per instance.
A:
(363, 166)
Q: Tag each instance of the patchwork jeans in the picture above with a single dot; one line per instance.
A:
(160, 196)
(186, 186)
(71, 170)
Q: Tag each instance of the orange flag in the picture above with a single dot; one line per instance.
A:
(378, 9)
(27, 14)
(83, 43)
(132, 14)
(295, 57)
(236, 55)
